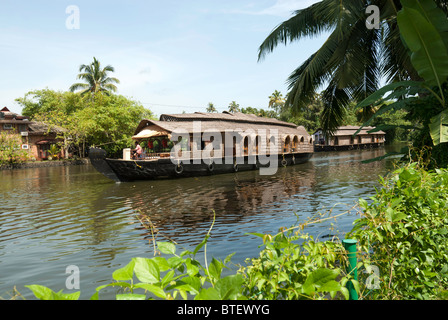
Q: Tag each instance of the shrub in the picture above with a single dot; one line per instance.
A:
(403, 231)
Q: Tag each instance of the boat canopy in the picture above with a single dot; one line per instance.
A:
(151, 131)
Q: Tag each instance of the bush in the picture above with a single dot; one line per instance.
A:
(404, 233)
(11, 151)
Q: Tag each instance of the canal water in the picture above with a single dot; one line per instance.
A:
(52, 218)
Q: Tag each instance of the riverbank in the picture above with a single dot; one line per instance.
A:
(44, 164)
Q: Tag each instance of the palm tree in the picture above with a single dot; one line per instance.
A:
(276, 101)
(96, 79)
(352, 62)
(211, 108)
(234, 107)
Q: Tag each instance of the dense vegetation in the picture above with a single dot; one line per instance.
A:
(108, 121)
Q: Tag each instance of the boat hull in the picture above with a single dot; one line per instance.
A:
(130, 170)
(320, 148)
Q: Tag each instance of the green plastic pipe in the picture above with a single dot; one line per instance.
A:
(350, 246)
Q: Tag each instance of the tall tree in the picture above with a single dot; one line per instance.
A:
(276, 101)
(354, 59)
(96, 79)
(211, 108)
(234, 107)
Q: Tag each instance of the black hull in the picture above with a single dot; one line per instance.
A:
(131, 170)
(319, 148)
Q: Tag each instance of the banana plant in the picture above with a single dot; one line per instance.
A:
(424, 31)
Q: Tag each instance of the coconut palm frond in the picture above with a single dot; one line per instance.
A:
(96, 78)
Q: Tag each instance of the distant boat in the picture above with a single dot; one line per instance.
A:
(197, 144)
(343, 139)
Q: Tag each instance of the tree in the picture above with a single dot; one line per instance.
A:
(108, 121)
(276, 101)
(260, 112)
(96, 79)
(234, 107)
(352, 61)
(424, 30)
(211, 108)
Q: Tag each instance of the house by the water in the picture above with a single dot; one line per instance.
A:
(36, 137)
(344, 139)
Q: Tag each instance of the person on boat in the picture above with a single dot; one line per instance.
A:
(138, 150)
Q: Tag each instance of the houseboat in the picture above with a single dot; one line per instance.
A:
(344, 139)
(196, 144)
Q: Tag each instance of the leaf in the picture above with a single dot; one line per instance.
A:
(438, 128)
(321, 276)
(153, 289)
(130, 296)
(41, 292)
(208, 294)
(200, 245)
(166, 247)
(429, 54)
(162, 263)
(230, 287)
(44, 293)
(125, 273)
(330, 286)
(146, 270)
(377, 95)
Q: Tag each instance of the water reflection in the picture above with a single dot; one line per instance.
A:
(54, 217)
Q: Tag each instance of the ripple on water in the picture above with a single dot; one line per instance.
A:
(54, 217)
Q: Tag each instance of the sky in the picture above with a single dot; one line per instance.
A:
(171, 56)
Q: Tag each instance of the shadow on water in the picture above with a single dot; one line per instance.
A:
(51, 218)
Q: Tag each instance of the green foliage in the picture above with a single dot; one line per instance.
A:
(403, 232)
(423, 29)
(293, 266)
(11, 151)
(108, 121)
(96, 79)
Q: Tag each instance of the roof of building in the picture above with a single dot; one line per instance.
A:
(224, 116)
(37, 128)
(7, 116)
(351, 130)
(213, 122)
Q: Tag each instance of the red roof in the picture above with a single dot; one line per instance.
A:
(5, 109)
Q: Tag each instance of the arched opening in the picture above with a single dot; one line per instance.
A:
(246, 145)
(287, 144)
(295, 143)
(257, 142)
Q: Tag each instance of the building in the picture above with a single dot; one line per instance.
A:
(36, 136)
(344, 139)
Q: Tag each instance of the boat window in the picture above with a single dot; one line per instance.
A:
(246, 145)
(287, 144)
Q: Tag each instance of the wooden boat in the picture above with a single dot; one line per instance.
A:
(344, 139)
(185, 145)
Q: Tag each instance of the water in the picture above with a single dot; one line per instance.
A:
(51, 218)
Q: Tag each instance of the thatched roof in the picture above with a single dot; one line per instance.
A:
(224, 116)
(39, 128)
(213, 122)
(350, 130)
